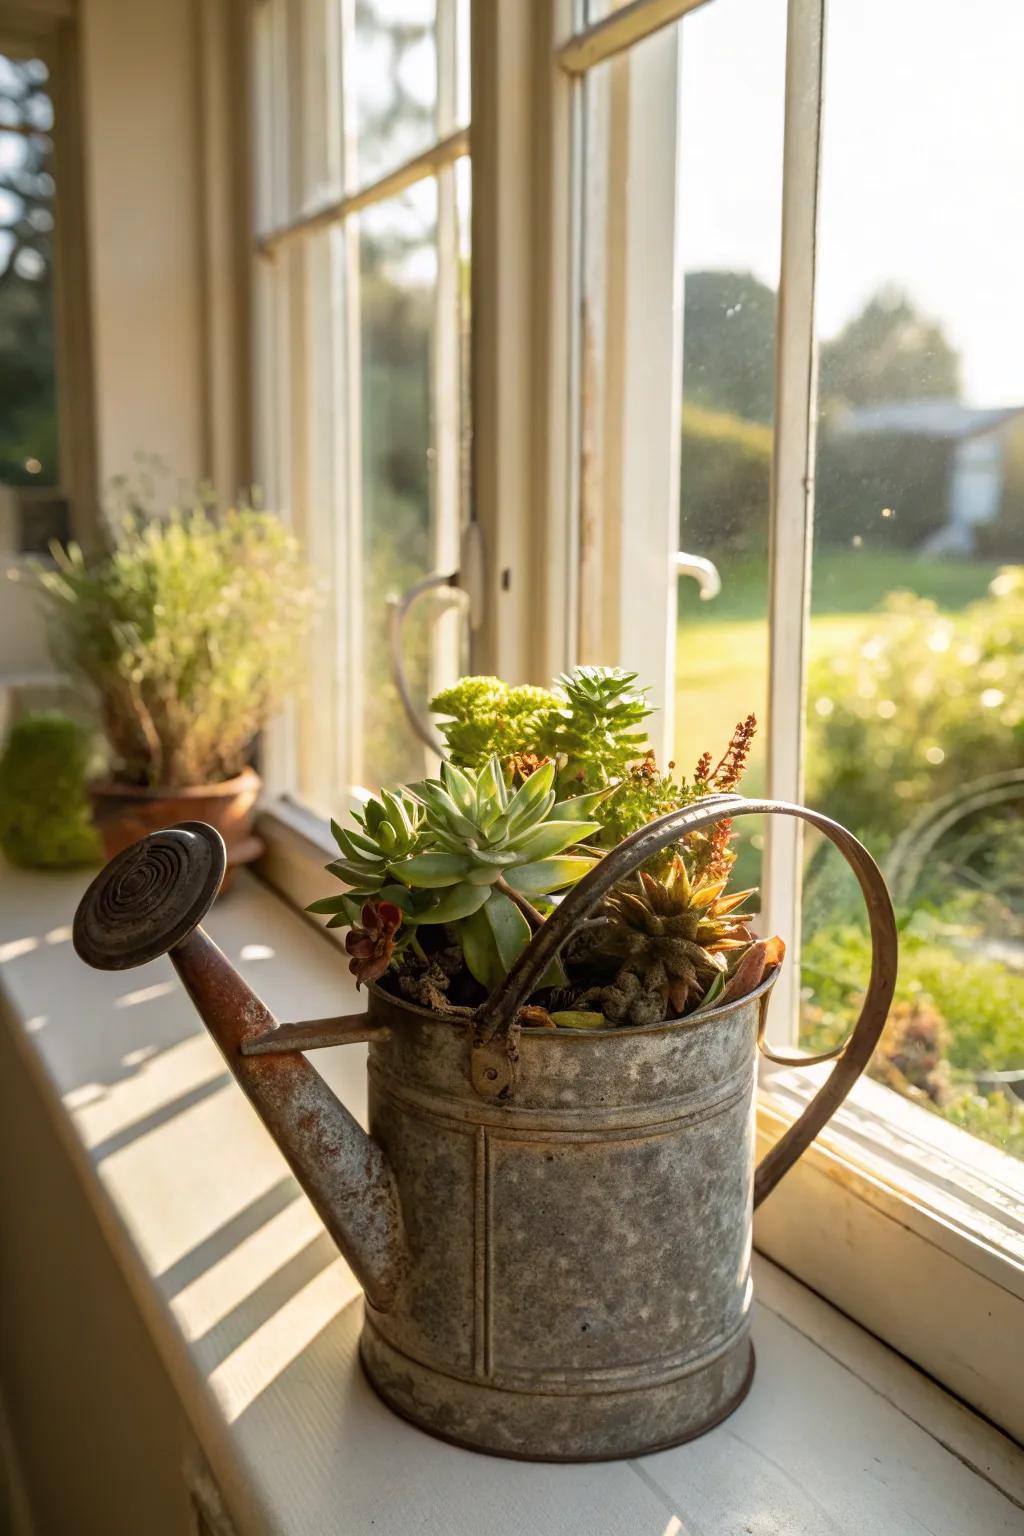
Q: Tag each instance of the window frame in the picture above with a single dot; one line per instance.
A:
(51, 31)
(886, 1215)
(282, 41)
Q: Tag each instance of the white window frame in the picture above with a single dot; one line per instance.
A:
(910, 1226)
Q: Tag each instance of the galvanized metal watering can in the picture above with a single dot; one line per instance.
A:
(552, 1227)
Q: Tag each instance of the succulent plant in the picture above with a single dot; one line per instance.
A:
(598, 731)
(462, 850)
(389, 831)
(489, 718)
(448, 878)
(591, 725)
(370, 943)
(674, 938)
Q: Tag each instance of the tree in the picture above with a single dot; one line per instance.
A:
(729, 344)
(888, 352)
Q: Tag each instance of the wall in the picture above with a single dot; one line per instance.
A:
(166, 215)
(140, 132)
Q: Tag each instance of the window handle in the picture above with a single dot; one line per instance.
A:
(704, 573)
(464, 586)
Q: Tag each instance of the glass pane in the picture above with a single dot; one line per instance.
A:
(394, 72)
(730, 188)
(31, 510)
(319, 103)
(398, 282)
(917, 633)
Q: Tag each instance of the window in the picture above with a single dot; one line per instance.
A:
(362, 221)
(43, 415)
(916, 683)
(696, 283)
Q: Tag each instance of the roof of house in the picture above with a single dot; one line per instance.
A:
(937, 417)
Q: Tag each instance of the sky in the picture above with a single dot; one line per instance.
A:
(922, 168)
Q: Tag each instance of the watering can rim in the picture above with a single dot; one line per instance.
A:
(692, 1021)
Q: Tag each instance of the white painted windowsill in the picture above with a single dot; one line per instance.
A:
(257, 1317)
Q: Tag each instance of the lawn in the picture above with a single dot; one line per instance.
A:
(722, 658)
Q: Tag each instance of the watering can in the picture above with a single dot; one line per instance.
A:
(552, 1227)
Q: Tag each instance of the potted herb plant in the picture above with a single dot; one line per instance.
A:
(189, 630)
(448, 879)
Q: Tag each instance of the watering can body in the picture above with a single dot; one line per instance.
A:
(578, 1280)
(552, 1227)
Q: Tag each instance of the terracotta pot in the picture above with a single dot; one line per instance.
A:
(125, 812)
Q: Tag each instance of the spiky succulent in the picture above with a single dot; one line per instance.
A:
(591, 726)
(387, 831)
(675, 939)
(462, 850)
(598, 731)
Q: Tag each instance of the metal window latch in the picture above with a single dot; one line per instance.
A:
(464, 586)
(704, 572)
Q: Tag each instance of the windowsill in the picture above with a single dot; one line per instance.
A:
(256, 1316)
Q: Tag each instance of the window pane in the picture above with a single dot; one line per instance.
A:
(398, 281)
(916, 719)
(731, 104)
(30, 512)
(394, 72)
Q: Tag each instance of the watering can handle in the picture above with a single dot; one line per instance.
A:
(495, 1024)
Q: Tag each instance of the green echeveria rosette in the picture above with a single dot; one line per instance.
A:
(463, 850)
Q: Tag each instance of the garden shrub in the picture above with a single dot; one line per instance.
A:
(925, 703)
(44, 812)
(726, 473)
(966, 1008)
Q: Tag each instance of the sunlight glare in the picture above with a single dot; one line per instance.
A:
(256, 952)
(15, 948)
(204, 1301)
(145, 994)
(251, 1368)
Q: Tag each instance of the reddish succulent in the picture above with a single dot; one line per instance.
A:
(371, 943)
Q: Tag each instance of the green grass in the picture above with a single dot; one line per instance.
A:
(721, 650)
(845, 581)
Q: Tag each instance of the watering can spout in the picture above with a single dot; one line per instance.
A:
(149, 901)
